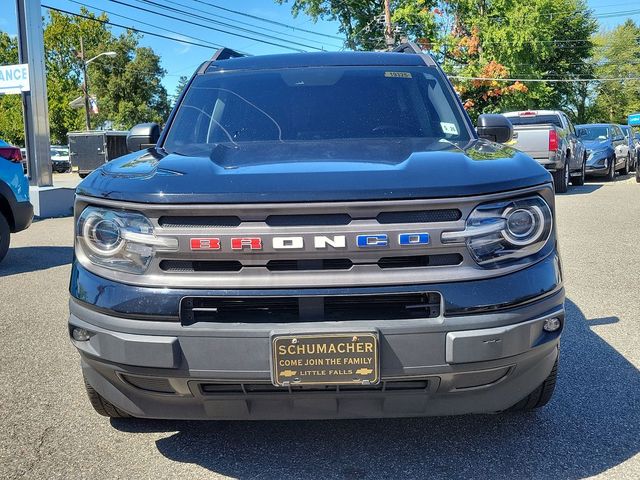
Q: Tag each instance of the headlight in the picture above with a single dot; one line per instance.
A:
(506, 231)
(118, 240)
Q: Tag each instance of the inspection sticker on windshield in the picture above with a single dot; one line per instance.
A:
(449, 128)
(397, 74)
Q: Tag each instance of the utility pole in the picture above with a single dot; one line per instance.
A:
(34, 102)
(87, 117)
(47, 200)
(388, 29)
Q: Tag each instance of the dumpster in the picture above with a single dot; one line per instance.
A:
(90, 150)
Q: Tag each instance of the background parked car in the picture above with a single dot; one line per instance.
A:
(607, 149)
(633, 153)
(550, 138)
(16, 213)
(23, 151)
(60, 159)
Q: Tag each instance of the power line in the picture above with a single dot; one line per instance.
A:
(240, 22)
(144, 23)
(104, 22)
(543, 80)
(266, 20)
(224, 24)
(623, 13)
(164, 15)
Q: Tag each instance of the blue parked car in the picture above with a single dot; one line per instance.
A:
(607, 149)
(16, 212)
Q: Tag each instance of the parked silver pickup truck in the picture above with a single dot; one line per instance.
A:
(550, 138)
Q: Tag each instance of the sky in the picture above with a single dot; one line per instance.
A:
(182, 58)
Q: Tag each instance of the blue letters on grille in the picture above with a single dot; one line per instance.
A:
(365, 241)
(413, 238)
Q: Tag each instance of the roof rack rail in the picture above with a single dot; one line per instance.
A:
(225, 53)
(412, 47)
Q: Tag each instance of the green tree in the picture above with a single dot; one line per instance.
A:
(361, 20)
(11, 123)
(500, 39)
(617, 55)
(127, 87)
(182, 83)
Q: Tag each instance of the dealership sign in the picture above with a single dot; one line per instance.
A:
(14, 79)
(634, 120)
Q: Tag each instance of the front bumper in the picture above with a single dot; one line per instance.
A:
(455, 364)
(22, 216)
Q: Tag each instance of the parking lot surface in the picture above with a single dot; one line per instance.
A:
(591, 427)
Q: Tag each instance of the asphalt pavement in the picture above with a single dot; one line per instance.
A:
(590, 428)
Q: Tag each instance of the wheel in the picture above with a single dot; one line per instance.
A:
(83, 175)
(561, 179)
(611, 174)
(638, 175)
(102, 406)
(626, 168)
(540, 396)
(5, 236)
(579, 180)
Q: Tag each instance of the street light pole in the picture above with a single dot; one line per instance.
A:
(87, 118)
(85, 78)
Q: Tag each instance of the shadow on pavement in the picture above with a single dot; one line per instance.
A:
(591, 425)
(32, 259)
(582, 190)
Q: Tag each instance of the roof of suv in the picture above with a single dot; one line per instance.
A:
(320, 59)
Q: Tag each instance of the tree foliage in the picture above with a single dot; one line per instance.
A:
(11, 124)
(127, 87)
(617, 55)
(499, 39)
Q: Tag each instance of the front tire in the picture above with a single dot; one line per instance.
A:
(5, 236)
(611, 174)
(540, 396)
(579, 180)
(625, 170)
(101, 405)
(561, 179)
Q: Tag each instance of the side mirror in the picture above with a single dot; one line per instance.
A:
(143, 135)
(494, 127)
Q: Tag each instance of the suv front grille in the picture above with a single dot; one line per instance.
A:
(290, 309)
(322, 219)
(307, 245)
(415, 261)
(420, 216)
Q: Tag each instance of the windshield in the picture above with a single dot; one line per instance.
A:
(314, 104)
(536, 120)
(593, 133)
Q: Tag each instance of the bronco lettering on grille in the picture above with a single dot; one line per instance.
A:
(317, 242)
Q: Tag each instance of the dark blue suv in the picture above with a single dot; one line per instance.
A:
(16, 212)
(317, 236)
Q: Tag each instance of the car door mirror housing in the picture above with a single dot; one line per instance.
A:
(494, 127)
(143, 135)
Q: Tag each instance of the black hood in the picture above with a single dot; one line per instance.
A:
(347, 170)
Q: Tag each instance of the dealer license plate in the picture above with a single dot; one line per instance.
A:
(325, 359)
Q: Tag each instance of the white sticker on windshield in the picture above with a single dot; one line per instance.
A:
(449, 128)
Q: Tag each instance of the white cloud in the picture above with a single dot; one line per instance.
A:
(181, 48)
